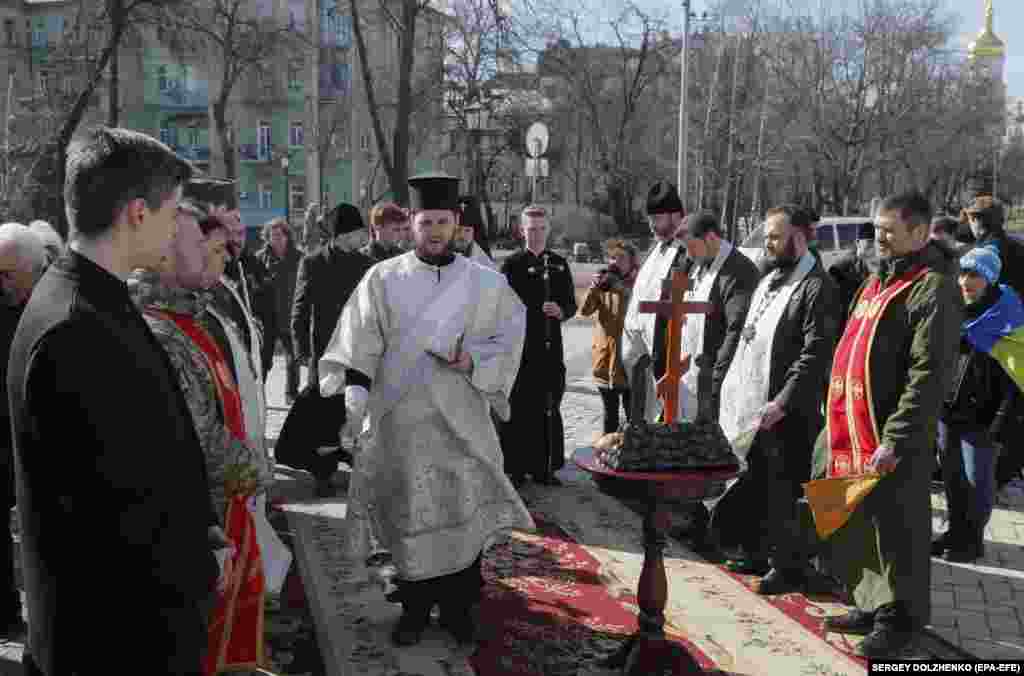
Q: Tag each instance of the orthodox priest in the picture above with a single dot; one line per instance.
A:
(726, 278)
(771, 396)
(643, 335)
(428, 344)
(533, 440)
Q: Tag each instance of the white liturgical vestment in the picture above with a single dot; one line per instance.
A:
(429, 476)
(638, 328)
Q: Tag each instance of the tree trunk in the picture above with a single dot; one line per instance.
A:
(371, 95)
(117, 18)
(220, 123)
(399, 174)
(45, 197)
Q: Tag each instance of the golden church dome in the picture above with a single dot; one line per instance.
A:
(988, 44)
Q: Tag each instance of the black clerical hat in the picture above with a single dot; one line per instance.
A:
(663, 199)
(470, 214)
(434, 191)
(344, 218)
(207, 191)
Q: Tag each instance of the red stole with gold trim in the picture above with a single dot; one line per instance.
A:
(853, 432)
(236, 623)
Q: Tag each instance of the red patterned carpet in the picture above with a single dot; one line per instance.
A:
(546, 611)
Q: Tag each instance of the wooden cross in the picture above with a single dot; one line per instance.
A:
(675, 308)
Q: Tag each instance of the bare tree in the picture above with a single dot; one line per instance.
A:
(619, 91)
(239, 41)
(403, 25)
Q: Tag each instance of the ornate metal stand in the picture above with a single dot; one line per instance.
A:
(649, 652)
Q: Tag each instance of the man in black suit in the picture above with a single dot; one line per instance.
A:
(326, 279)
(23, 257)
(117, 525)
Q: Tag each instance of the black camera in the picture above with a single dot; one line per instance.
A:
(610, 277)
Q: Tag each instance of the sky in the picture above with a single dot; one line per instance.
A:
(970, 15)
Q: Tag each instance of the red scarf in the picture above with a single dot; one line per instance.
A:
(853, 432)
(236, 624)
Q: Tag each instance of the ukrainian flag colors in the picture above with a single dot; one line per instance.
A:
(999, 331)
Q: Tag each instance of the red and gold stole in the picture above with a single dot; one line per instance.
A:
(236, 624)
(853, 432)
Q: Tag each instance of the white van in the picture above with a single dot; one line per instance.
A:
(835, 236)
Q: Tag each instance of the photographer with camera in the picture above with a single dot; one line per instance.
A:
(608, 297)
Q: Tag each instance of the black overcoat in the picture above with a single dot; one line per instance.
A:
(112, 489)
(524, 438)
(327, 277)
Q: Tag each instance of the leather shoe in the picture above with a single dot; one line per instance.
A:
(967, 554)
(780, 582)
(885, 641)
(857, 621)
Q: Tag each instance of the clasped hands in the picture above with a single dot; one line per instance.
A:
(552, 310)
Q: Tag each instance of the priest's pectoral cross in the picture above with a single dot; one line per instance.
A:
(673, 306)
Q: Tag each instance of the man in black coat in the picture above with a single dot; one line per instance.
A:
(326, 280)
(280, 258)
(23, 258)
(733, 279)
(387, 222)
(532, 440)
(850, 271)
(775, 386)
(120, 532)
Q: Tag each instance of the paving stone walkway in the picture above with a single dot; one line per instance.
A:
(978, 608)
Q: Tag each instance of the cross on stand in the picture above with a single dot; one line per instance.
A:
(648, 651)
(672, 305)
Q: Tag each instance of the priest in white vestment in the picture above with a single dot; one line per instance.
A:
(772, 399)
(428, 345)
(643, 335)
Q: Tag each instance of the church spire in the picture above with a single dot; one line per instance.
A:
(987, 45)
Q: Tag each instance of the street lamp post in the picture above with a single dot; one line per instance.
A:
(287, 190)
(682, 175)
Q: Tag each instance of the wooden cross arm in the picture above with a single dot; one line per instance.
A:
(668, 308)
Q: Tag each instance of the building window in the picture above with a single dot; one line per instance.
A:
(492, 186)
(297, 198)
(193, 136)
(296, 135)
(295, 74)
(266, 196)
(364, 142)
(165, 135)
(9, 31)
(162, 82)
(263, 140)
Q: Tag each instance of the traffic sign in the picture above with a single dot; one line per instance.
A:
(537, 139)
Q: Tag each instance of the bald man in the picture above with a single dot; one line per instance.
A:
(22, 261)
(51, 239)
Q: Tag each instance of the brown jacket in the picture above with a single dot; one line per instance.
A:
(610, 307)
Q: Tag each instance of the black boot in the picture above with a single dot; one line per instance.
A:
(857, 621)
(892, 634)
(781, 581)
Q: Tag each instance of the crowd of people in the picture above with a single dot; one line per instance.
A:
(138, 353)
(876, 366)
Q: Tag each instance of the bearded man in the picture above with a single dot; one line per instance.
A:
(771, 397)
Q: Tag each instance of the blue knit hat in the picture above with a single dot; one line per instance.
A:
(983, 261)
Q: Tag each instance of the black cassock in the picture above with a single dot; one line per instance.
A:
(531, 442)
